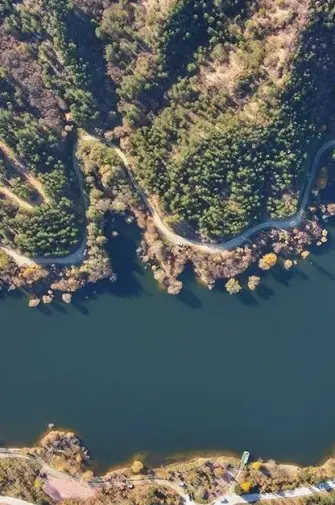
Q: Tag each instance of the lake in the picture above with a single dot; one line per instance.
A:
(135, 370)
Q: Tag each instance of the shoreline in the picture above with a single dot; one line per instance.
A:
(225, 260)
(65, 473)
(165, 459)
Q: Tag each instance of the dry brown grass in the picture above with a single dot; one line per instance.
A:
(161, 7)
(17, 165)
(17, 200)
(283, 501)
(68, 488)
(33, 5)
(154, 13)
(225, 75)
(285, 20)
(270, 37)
(268, 40)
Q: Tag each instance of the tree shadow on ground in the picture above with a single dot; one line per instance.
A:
(90, 48)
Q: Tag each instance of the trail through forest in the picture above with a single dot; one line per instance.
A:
(77, 256)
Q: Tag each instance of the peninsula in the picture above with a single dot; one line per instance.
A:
(209, 124)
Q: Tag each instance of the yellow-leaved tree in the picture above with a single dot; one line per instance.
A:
(233, 286)
(267, 261)
(137, 466)
(246, 486)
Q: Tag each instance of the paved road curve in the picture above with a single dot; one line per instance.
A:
(282, 224)
(234, 499)
(71, 259)
(8, 500)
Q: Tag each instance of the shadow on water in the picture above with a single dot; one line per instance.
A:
(247, 298)
(264, 292)
(277, 274)
(43, 309)
(125, 264)
(13, 293)
(59, 307)
(282, 276)
(318, 251)
(301, 274)
(323, 270)
(80, 307)
(285, 277)
(187, 295)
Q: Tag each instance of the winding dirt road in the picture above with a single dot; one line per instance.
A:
(71, 259)
(225, 245)
(282, 224)
(23, 204)
(19, 167)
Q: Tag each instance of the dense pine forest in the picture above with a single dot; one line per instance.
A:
(219, 104)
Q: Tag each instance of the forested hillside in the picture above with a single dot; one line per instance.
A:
(47, 78)
(223, 133)
(218, 103)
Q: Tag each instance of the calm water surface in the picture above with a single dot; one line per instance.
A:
(136, 370)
